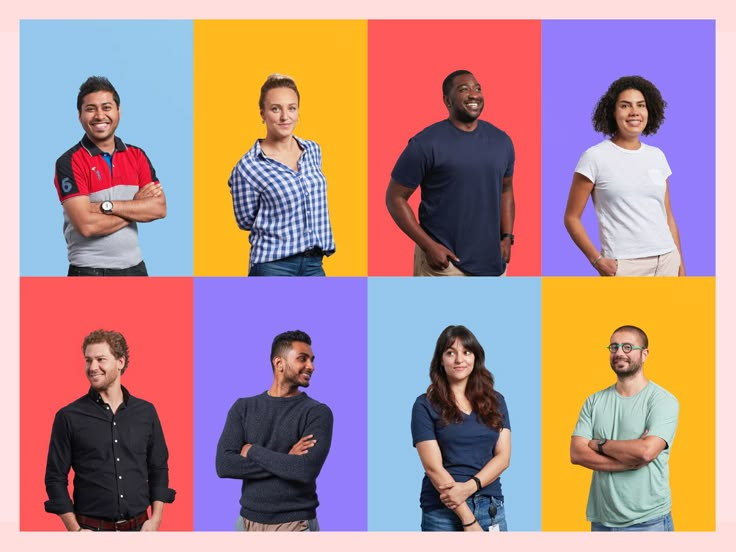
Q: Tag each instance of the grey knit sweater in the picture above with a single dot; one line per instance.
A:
(277, 486)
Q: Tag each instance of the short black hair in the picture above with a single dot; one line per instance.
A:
(447, 83)
(96, 84)
(635, 329)
(604, 113)
(282, 343)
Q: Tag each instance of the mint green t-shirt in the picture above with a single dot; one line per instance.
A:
(620, 499)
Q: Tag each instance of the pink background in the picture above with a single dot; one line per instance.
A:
(379, 9)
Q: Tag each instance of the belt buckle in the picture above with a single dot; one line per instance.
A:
(120, 523)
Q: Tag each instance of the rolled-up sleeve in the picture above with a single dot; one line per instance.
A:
(158, 464)
(58, 464)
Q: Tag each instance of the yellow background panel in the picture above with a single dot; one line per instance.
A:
(328, 61)
(578, 317)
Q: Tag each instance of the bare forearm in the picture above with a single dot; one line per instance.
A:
(70, 521)
(582, 455)
(97, 224)
(633, 452)
(580, 237)
(403, 216)
(139, 210)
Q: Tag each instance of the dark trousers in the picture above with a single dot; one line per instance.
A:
(137, 270)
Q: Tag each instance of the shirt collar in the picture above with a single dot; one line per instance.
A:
(259, 151)
(93, 150)
(95, 396)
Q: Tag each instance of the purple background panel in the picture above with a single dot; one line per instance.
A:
(235, 322)
(580, 59)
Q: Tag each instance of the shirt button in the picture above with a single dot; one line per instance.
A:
(117, 459)
(120, 476)
(121, 496)
(114, 423)
(116, 440)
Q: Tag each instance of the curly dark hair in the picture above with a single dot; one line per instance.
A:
(603, 115)
(479, 389)
(116, 342)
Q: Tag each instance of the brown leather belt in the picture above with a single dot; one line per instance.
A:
(98, 524)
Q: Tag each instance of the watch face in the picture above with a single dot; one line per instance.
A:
(106, 206)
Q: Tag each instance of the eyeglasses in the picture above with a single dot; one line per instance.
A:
(625, 347)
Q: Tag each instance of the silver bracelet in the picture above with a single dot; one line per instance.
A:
(596, 261)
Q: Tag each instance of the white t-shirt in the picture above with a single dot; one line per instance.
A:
(628, 194)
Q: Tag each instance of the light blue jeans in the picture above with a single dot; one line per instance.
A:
(663, 523)
(444, 519)
(296, 265)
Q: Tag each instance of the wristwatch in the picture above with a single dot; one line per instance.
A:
(507, 235)
(601, 442)
(106, 207)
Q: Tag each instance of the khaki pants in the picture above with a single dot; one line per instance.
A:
(667, 264)
(422, 268)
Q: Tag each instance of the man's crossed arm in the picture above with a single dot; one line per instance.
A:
(149, 203)
(241, 460)
(624, 455)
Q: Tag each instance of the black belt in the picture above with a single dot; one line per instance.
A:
(99, 524)
(313, 252)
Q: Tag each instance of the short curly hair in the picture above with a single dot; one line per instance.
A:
(115, 340)
(604, 114)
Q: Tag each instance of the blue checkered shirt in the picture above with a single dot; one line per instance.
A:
(285, 210)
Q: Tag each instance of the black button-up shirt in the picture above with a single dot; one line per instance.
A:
(120, 460)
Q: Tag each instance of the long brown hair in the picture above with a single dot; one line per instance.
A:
(479, 389)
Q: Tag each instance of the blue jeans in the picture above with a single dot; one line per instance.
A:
(296, 265)
(444, 519)
(663, 523)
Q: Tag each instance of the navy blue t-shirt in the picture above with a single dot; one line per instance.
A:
(466, 447)
(461, 179)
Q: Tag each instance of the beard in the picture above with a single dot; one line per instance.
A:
(631, 369)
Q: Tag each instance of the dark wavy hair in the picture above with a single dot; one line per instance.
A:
(604, 112)
(479, 389)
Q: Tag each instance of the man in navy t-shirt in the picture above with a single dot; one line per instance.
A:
(465, 169)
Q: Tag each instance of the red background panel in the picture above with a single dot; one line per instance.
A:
(407, 62)
(155, 316)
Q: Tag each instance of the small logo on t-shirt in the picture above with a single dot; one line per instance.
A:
(97, 172)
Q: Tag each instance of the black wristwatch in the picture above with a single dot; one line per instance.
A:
(106, 207)
(507, 235)
(601, 442)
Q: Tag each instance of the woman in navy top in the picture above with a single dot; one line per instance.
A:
(461, 430)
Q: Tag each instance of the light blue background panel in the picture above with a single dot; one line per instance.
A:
(150, 65)
(405, 317)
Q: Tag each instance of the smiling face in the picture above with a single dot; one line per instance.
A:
(465, 100)
(457, 362)
(297, 365)
(630, 114)
(280, 112)
(629, 364)
(102, 368)
(99, 116)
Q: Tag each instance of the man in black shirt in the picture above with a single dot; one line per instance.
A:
(114, 443)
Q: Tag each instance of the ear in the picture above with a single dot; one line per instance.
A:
(446, 100)
(644, 354)
(120, 362)
(278, 364)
